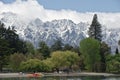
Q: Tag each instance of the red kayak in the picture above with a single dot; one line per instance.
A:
(35, 75)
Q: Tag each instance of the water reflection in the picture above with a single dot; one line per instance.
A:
(66, 78)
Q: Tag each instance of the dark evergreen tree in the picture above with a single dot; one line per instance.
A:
(95, 32)
(21, 47)
(4, 43)
(9, 43)
(30, 47)
(95, 29)
(104, 51)
(44, 49)
(2, 31)
(58, 45)
(119, 42)
(4, 51)
(67, 47)
(117, 51)
(71, 48)
(12, 39)
(4, 46)
(76, 49)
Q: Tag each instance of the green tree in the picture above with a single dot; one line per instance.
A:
(104, 51)
(2, 30)
(95, 32)
(63, 59)
(9, 43)
(113, 63)
(21, 47)
(57, 46)
(72, 58)
(15, 44)
(49, 64)
(90, 49)
(67, 47)
(32, 65)
(44, 49)
(15, 60)
(36, 55)
(12, 38)
(95, 29)
(71, 48)
(30, 47)
(4, 46)
(58, 60)
(76, 50)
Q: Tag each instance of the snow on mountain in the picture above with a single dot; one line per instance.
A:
(35, 30)
(111, 37)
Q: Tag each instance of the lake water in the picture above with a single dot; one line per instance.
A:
(65, 78)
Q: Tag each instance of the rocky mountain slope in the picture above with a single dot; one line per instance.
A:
(35, 30)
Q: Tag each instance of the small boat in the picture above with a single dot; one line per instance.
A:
(35, 75)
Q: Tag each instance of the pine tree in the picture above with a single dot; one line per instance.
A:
(9, 43)
(57, 46)
(44, 49)
(117, 51)
(95, 29)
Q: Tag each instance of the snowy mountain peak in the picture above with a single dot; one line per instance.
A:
(35, 30)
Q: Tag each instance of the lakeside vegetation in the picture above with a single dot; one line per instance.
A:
(91, 55)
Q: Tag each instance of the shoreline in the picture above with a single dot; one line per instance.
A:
(83, 74)
(13, 75)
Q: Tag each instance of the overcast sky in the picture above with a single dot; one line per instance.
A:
(79, 5)
(76, 10)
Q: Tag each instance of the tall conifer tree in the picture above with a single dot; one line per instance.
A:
(95, 29)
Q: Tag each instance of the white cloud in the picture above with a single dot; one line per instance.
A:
(31, 9)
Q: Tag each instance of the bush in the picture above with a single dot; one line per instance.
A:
(33, 65)
(113, 63)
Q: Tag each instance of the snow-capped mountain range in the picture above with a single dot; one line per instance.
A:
(69, 32)
(35, 23)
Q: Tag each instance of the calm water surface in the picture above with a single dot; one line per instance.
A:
(65, 78)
